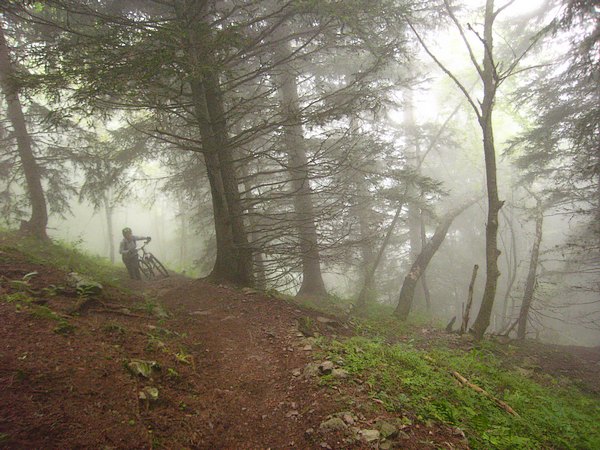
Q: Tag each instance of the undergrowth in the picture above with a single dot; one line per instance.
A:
(406, 379)
(25, 303)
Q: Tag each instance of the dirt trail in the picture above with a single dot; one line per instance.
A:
(245, 349)
(226, 376)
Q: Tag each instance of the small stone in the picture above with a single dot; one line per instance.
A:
(292, 413)
(309, 431)
(311, 370)
(387, 445)
(387, 430)
(348, 418)
(296, 372)
(403, 435)
(326, 367)
(370, 435)
(325, 445)
(333, 424)
(307, 348)
(339, 373)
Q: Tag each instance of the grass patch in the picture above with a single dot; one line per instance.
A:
(407, 379)
(62, 255)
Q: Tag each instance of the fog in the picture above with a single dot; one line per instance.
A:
(349, 159)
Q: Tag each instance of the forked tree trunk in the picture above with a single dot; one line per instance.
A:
(370, 275)
(36, 226)
(241, 248)
(407, 292)
(295, 146)
(532, 273)
(233, 262)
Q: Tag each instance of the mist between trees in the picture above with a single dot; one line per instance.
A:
(370, 151)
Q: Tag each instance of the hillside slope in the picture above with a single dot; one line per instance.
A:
(179, 363)
(232, 370)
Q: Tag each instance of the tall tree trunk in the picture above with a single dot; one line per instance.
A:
(254, 235)
(494, 204)
(362, 208)
(426, 292)
(414, 208)
(108, 213)
(233, 262)
(38, 222)
(242, 250)
(532, 273)
(295, 146)
(418, 267)
(511, 263)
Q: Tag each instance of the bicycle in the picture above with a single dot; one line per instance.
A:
(149, 264)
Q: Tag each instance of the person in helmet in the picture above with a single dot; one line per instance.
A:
(129, 253)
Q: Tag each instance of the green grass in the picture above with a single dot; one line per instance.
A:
(409, 380)
(63, 256)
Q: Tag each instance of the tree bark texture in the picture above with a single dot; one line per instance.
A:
(295, 146)
(531, 274)
(492, 253)
(38, 222)
(234, 261)
(418, 267)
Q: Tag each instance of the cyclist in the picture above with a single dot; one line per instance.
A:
(128, 252)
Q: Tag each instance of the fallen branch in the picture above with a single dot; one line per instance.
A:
(476, 388)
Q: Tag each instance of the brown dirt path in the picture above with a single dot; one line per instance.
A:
(245, 349)
(230, 369)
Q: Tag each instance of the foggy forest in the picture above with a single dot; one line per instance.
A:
(424, 164)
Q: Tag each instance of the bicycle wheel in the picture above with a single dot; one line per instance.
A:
(159, 266)
(146, 269)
